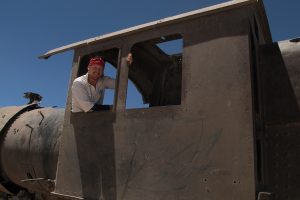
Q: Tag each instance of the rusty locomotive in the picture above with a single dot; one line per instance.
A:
(221, 121)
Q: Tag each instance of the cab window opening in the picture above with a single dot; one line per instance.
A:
(94, 87)
(155, 76)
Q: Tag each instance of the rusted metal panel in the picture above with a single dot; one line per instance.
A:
(281, 160)
(290, 51)
(280, 75)
(68, 178)
(279, 138)
(85, 168)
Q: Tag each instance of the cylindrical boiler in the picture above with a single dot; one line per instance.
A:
(29, 148)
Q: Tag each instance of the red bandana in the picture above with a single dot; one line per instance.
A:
(97, 61)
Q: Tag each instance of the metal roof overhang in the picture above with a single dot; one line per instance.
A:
(177, 18)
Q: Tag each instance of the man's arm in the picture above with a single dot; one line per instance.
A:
(109, 83)
(129, 59)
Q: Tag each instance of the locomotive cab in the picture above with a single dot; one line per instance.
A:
(197, 136)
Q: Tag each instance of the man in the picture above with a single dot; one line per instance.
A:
(88, 90)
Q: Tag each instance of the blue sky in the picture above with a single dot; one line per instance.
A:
(30, 28)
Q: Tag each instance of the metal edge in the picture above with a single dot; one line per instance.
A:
(264, 19)
(65, 196)
(192, 14)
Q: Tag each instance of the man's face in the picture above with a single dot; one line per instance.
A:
(95, 71)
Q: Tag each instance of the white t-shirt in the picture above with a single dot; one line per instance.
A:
(84, 95)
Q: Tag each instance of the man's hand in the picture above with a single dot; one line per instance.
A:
(129, 59)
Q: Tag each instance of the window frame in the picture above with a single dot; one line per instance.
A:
(81, 53)
(139, 38)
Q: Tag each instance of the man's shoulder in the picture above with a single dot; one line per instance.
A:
(80, 79)
(80, 82)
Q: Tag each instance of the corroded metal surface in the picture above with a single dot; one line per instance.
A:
(7, 117)
(29, 148)
(280, 137)
(7, 113)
